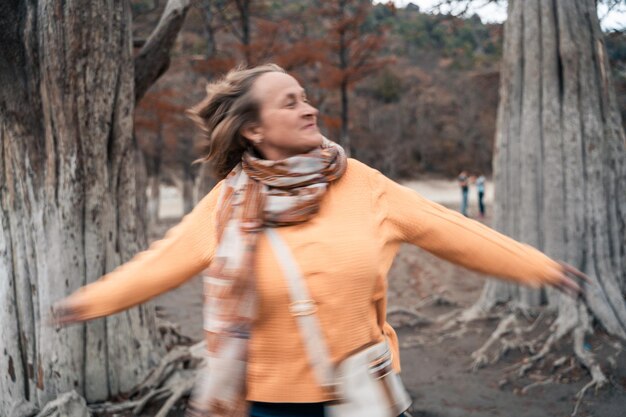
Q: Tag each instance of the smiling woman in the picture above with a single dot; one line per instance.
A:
(295, 243)
(287, 124)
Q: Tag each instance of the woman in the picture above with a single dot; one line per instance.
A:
(343, 222)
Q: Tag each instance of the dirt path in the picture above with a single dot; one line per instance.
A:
(437, 374)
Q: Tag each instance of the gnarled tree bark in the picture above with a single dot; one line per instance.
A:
(68, 199)
(560, 158)
(154, 57)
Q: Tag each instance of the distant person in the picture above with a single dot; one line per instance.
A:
(480, 189)
(341, 224)
(463, 181)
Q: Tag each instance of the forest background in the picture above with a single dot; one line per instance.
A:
(410, 93)
(422, 88)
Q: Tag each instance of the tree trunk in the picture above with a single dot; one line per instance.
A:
(208, 18)
(345, 134)
(559, 162)
(154, 200)
(188, 184)
(68, 209)
(344, 138)
(244, 15)
(205, 181)
(153, 167)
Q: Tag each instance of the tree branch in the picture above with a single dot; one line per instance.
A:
(154, 57)
(231, 25)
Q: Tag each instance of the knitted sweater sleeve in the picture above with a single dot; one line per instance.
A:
(455, 238)
(185, 251)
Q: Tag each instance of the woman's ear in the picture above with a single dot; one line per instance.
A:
(252, 132)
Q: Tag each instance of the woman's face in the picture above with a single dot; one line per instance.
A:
(288, 123)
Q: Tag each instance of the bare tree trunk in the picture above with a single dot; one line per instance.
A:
(205, 181)
(244, 17)
(154, 57)
(559, 163)
(343, 65)
(188, 177)
(154, 199)
(208, 18)
(68, 208)
(154, 167)
(188, 184)
(345, 135)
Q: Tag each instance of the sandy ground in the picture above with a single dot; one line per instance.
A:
(437, 374)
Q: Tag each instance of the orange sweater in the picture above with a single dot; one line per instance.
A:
(344, 253)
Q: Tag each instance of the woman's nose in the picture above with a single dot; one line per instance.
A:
(309, 110)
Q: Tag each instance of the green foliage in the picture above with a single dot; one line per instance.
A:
(386, 87)
(466, 41)
(381, 15)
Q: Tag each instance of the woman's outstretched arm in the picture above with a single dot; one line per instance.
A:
(185, 251)
(452, 236)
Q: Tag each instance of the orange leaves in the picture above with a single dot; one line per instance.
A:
(160, 122)
(352, 51)
(333, 123)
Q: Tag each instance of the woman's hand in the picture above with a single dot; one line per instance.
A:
(63, 313)
(571, 281)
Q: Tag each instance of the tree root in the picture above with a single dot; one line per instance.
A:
(179, 387)
(69, 404)
(598, 379)
(510, 334)
(438, 299)
(466, 316)
(171, 380)
(543, 382)
(417, 318)
(171, 335)
(480, 355)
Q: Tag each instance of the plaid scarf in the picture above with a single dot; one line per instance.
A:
(256, 194)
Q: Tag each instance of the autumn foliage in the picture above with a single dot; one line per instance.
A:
(404, 91)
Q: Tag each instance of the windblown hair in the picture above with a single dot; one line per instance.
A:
(227, 108)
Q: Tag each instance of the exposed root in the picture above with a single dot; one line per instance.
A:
(480, 356)
(150, 396)
(612, 359)
(171, 380)
(460, 332)
(449, 319)
(171, 335)
(463, 317)
(598, 379)
(510, 335)
(581, 394)
(69, 404)
(179, 387)
(417, 318)
(528, 387)
(438, 299)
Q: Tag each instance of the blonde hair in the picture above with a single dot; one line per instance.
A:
(226, 109)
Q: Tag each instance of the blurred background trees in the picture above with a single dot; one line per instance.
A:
(414, 93)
